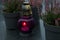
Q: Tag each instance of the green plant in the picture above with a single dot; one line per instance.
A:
(58, 16)
(12, 6)
(51, 17)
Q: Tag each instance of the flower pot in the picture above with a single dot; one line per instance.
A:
(52, 32)
(11, 20)
(35, 14)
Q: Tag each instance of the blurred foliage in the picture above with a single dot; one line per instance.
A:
(13, 6)
(50, 17)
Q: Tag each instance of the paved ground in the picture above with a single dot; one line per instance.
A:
(2, 28)
(13, 35)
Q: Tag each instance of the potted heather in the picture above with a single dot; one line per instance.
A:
(11, 14)
(52, 25)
